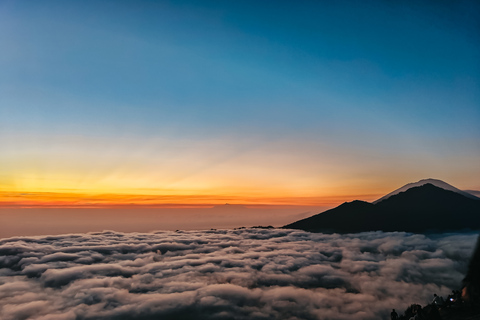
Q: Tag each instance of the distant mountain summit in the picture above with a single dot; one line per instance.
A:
(229, 207)
(422, 207)
(435, 182)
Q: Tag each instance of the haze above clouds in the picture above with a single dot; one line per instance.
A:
(51, 221)
(245, 274)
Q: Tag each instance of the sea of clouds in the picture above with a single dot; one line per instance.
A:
(226, 274)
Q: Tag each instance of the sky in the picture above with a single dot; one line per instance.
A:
(201, 103)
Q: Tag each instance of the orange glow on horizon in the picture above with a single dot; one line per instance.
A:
(84, 200)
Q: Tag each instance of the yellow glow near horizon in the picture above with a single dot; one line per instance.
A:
(75, 200)
(74, 171)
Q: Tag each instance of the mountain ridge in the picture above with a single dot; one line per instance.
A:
(425, 208)
(435, 182)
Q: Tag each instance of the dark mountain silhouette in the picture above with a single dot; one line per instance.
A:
(435, 182)
(426, 208)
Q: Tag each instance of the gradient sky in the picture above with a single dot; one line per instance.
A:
(253, 102)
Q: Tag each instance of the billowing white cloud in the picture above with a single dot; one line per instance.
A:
(226, 274)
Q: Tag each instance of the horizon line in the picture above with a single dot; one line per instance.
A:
(27, 199)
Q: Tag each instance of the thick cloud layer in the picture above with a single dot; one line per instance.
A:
(226, 274)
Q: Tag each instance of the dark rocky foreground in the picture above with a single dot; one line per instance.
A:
(453, 308)
(464, 304)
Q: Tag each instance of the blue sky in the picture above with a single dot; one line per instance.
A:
(351, 95)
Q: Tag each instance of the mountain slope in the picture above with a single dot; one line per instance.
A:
(435, 182)
(418, 209)
(347, 217)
